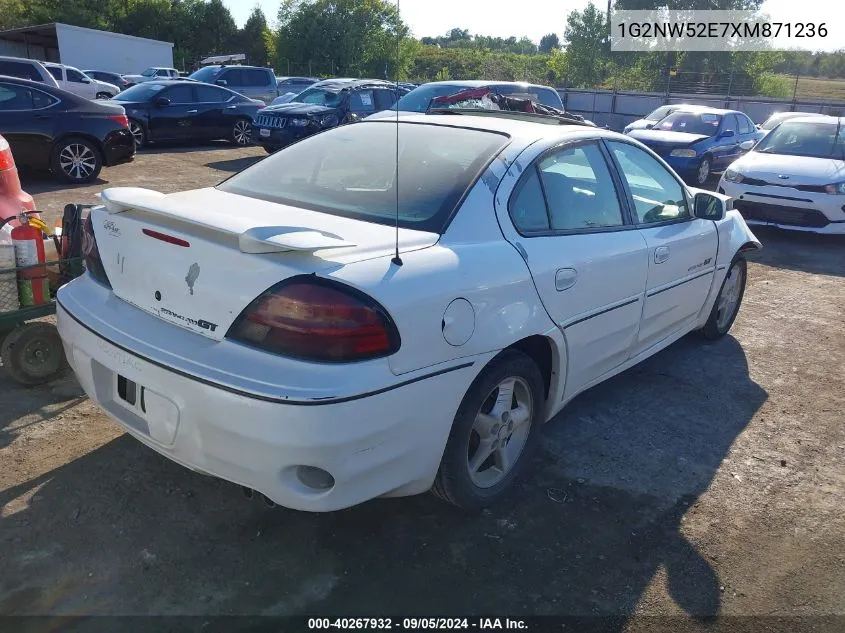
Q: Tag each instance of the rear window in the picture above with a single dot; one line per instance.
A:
(350, 171)
(417, 100)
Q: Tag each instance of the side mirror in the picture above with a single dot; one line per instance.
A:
(707, 206)
(727, 134)
(162, 102)
(222, 82)
(649, 126)
(747, 145)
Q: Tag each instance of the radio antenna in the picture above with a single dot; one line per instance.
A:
(396, 259)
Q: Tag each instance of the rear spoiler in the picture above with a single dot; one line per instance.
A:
(251, 239)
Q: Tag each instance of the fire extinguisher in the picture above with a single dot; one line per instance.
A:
(33, 285)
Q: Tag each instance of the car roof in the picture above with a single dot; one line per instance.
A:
(482, 83)
(513, 124)
(815, 118)
(21, 59)
(44, 87)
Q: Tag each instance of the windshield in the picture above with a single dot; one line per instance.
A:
(141, 92)
(206, 74)
(798, 138)
(149, 72)
(318, 96)
(350, 171)
(658, 114)
(418, 99)
(705, 123)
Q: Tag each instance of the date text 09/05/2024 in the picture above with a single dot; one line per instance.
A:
(417, 624)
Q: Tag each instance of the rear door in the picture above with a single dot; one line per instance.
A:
(28, 120)
(177, 120)
(215, 107)
(569, 218)
(362, 103)
(681, 248)
(261, 84)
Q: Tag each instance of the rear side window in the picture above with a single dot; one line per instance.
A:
(14, 97)
(55, 71)
(210, 94)
(362, 101)
(351, 171)
(255, 77)
(20, 69)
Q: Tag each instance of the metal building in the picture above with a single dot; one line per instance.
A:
(86, 48)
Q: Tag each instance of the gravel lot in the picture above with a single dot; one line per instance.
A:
(708, 480)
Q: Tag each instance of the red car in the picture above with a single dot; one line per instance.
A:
(13, 199)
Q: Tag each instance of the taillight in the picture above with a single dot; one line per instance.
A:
(120, 118)
(7, 161)
(92, 254)
(318, 320)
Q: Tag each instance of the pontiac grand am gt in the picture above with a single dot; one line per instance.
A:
(308, 348)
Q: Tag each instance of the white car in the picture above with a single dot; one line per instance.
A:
(779, 117)
(153, 73)
(794, 178)
(280, 331)
(75, 81)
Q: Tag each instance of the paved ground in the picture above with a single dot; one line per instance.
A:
(707, 480)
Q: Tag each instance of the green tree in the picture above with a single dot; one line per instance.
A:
(587, 50)
(549, 42)
(256, 40)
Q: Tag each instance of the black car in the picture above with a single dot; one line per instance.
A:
(110, 78)
(322, 106)
(52, 129)
(187, 111)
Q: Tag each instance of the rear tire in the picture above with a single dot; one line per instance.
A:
(270, 150)
(728, 301)
(33, 353)
(704, 171)
(76, 160)
(491, 439)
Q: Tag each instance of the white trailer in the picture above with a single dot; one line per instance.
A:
(86, 48)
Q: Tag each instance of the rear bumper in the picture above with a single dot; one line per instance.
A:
(119, 147)
(388, 442)
(787, 208)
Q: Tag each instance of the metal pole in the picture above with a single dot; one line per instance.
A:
(795, 90)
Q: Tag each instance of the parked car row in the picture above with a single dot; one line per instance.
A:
(787, 172)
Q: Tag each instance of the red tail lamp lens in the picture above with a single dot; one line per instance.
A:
(315, 319)
(93, 262)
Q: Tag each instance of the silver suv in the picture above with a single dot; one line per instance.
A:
(26, 69)
(251, 81)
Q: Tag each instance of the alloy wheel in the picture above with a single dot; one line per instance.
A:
(499, 432)
(137, 133)
(703, 171)
(241, 133)
(77, 161)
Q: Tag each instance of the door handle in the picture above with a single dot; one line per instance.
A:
(192, 111)
(231, 107)
(565, 278)
(661, 254)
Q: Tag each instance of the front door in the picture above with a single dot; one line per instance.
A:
(681, 248)
(726, 148)
(588, 263)
(80, 84)
(215, 112)
(176, 120)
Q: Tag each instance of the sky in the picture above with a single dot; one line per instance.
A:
(535, 18)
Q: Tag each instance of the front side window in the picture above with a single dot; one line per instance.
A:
(20, 69)
(180, 94)
(361, 101)
(75, 76)
(745, 124)
(350, 171)
(658, 196)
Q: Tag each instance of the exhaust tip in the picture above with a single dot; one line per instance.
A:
(248, 492)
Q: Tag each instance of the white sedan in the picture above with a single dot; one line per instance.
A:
(291, 331)
(794, 178)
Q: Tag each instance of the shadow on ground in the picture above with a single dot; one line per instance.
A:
(234, 165)
(123, 530)
(796, 250)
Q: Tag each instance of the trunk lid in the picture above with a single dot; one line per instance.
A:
(198, 258)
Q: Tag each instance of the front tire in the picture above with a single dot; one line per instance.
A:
(241, 134)
(103, 95)
(493, 434)
(76, 160)
(728, 301)
(138, 133)
(704, 171)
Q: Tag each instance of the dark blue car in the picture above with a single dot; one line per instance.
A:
(698, 143)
